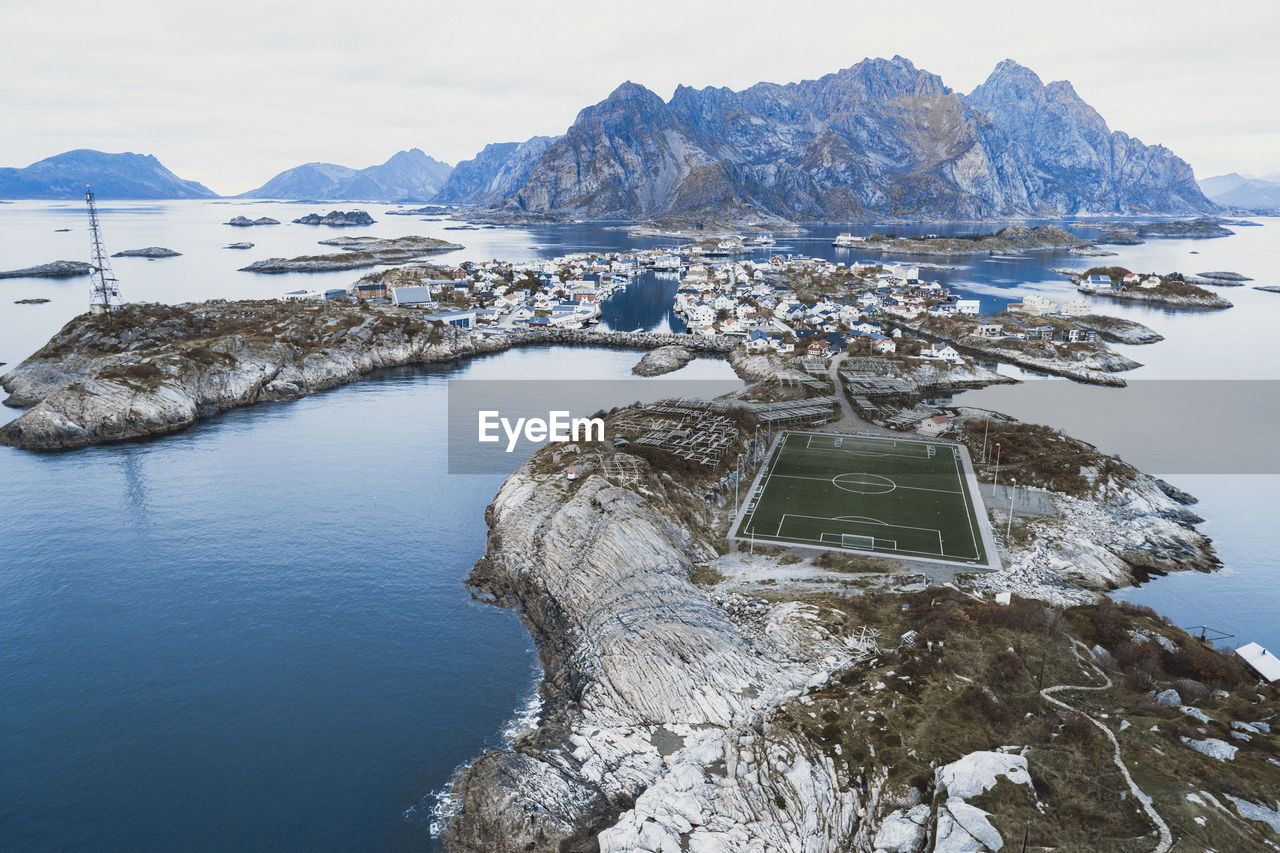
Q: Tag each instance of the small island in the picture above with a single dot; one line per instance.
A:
(1171, 290)
(1135, 233)
(35, 300)
(337, 218)
(663, 360)
(1015, 238)
(365, 252)
(1059, 346)
(149, 252)
(246, 222)
(54, 269)
(242, 245)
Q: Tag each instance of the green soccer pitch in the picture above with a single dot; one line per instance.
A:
(892, 496)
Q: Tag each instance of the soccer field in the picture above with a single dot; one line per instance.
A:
(892, 496)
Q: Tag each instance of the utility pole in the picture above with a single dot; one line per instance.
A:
(104, 287)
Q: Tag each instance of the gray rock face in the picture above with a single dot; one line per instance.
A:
(662, 360)
(880, 139)
(499, 170)
(650, 688)
(54, 269)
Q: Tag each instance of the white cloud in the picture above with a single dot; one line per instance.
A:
(231, 92)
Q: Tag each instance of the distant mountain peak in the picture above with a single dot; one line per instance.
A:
(113, 176)
(406, 176)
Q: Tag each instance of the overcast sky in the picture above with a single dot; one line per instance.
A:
(231, 92)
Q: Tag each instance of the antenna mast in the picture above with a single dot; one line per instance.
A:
(104, 287)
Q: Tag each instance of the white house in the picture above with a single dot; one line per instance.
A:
(967, 306)
(414, 295)
(1076, 308)
(934, 426)
(944, 352)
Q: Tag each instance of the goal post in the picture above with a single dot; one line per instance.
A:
(853, 540)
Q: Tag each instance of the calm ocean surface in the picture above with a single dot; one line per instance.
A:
(255, 635)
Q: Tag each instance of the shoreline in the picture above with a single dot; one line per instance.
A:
(86, 386)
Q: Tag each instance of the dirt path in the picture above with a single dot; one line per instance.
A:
(1166, 837)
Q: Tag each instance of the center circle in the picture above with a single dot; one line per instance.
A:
(864, 484)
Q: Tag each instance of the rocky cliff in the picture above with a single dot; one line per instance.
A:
(653, 693)
(880, 139)
(499, 170)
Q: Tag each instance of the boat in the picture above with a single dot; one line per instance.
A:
(762, 240)
(846, 240)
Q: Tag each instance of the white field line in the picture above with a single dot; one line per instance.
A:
(968, 507)
(932, 530)
(832, 481)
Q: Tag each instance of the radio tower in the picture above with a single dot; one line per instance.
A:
(104, 287)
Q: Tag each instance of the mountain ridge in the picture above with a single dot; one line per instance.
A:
(879, 139)
(112, 176)
(409, 175)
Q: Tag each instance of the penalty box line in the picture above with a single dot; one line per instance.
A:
(935, 531)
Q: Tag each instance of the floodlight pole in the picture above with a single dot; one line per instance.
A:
(1009, 529)
(737, 475)
(995, 481)
(985, 430)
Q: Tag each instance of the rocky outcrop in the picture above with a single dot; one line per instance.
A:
(879, 140)
(54, 269)
(337, 218)
(1224, 277)
(149, 252)
(1189, 296)
(154, 369)
(1118, 537)
(1014, 239)
(366, 252)
(663, 360)
(1118, 330)
(242, 245)
(246, 222)
(653, 695)
(157, 369)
